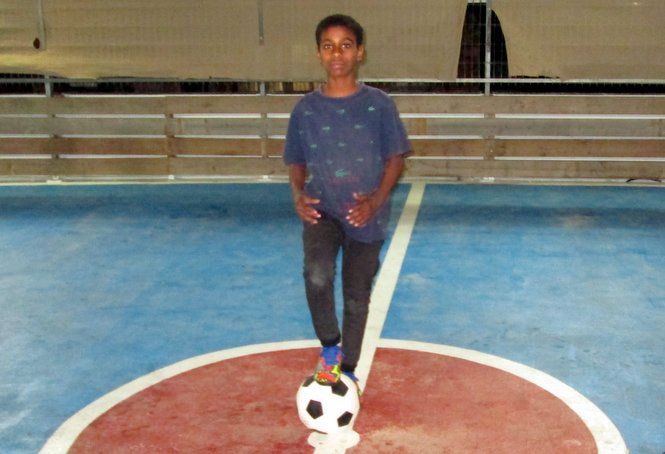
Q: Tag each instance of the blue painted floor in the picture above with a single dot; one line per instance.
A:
(102, 284)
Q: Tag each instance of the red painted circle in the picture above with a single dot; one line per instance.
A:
(414, 402)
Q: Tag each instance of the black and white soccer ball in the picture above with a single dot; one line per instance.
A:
(328, 408)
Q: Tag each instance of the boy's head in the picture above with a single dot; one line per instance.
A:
(340, 20)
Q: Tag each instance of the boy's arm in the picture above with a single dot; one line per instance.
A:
(302, 202)
(368, 205)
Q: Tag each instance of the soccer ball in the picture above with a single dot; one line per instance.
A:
(328, 409)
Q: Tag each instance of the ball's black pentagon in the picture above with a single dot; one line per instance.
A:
(308, 381)
(340, 388)
(314, 409)
(345, 419)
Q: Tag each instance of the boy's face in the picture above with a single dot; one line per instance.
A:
(339, 53)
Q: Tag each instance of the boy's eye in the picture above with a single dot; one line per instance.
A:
(330, 46)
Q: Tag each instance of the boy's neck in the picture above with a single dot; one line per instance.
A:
(336, 88)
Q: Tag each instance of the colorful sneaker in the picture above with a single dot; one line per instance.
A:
(328, 368)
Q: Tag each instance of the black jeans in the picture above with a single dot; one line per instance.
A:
(360, 263)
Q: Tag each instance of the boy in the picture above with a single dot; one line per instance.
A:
(350, 141)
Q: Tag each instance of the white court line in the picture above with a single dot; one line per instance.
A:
(606, 435)
(386, 282)
(63, 438)
(382, 295)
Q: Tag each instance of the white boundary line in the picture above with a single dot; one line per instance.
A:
(382, 295)
(606, 435)
(386, 282)
(63, 438)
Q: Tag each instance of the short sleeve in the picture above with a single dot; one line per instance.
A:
(293, 152)
(394, 135)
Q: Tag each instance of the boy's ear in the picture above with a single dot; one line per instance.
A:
(361, 53)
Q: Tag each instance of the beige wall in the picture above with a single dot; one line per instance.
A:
(584, 39)
(213, 38)
(567, 39)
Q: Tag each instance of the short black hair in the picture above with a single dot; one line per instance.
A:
(340, 20)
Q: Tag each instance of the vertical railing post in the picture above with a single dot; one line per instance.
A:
(488, 46)
(264, 122)
(490, 116)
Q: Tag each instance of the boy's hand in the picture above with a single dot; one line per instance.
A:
(305, 210)
(303, 203)
(367, 205)
(365, 208)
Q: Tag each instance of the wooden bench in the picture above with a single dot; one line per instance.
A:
(455, 137)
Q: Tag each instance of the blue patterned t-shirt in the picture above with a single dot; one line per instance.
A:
(345, 142)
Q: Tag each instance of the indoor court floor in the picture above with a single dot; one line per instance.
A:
(171, 318)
